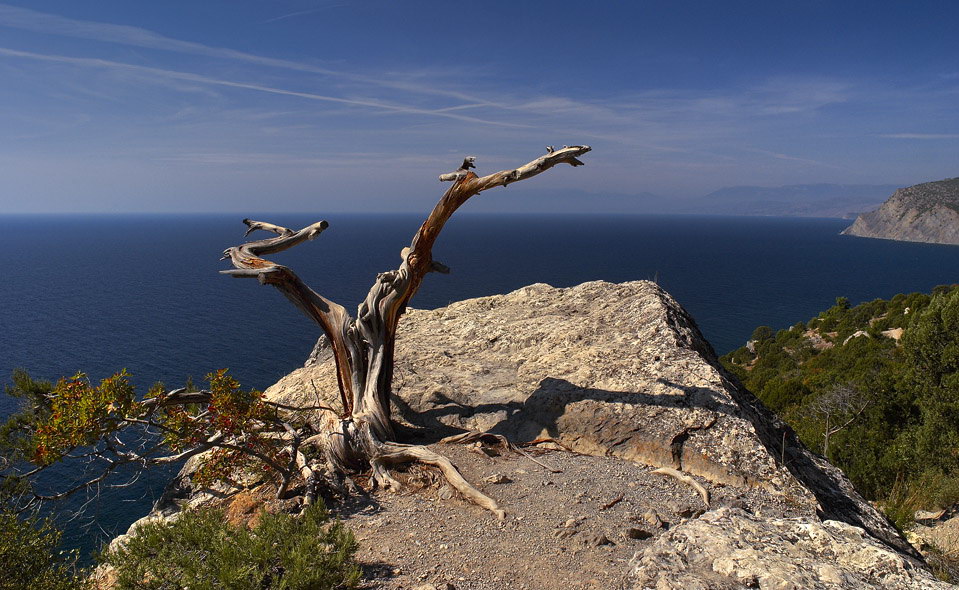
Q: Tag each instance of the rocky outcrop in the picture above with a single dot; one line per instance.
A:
(927, 212)
(619, 374)
(608, 370)
(730, 549)
(603, 369)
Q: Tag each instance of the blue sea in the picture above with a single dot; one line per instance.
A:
(101, 293)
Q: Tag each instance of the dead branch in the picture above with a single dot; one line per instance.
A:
(364, 346)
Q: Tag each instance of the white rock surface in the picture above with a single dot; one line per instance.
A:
(728, 549)
(621, 371)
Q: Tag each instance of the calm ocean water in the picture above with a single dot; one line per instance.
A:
(99, 293)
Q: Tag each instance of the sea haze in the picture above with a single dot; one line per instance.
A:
(101, 293)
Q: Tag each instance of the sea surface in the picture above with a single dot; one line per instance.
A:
(101, 293)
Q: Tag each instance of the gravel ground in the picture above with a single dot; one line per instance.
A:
(574, 529)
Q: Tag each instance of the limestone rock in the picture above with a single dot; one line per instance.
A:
(620, 370)
(728, 549)
(943, 536)
(927, 212)
(604, 369)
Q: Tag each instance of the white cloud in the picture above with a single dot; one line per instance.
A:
(191, 77)
(40, 22)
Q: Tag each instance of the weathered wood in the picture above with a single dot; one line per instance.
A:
(332, 317)
(680, 476)
(364, 346)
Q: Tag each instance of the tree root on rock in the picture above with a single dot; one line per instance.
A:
(679, 475)
(394, 453)
(473, 436)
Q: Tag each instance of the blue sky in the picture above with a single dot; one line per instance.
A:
(340, 105)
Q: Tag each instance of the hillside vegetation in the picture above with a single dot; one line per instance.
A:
(873, 387)
(927, 195)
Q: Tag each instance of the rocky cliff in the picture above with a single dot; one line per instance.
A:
(927, 212)
(664, 472)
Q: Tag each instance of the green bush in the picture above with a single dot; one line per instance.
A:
(30, 558)
(780, 394)
(763, 333)
(897, 437)
(200, 551)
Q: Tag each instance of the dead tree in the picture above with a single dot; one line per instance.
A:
(361, 436)
(840, 407)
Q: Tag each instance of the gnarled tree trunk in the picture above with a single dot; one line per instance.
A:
(362, 435)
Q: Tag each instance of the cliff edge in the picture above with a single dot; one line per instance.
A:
(927, 212)
(648, 466)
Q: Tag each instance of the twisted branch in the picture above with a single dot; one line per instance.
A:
(364, 347)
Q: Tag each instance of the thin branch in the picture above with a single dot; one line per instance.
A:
(106, 471)
(332, 318)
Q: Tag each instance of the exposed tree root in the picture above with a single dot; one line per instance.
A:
(548, 440)
(472, 436)
(679, 475)
(394, 453)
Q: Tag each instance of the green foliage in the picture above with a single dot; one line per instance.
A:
(108, 425)
(202, 552)
(780, 394)
(30, 558)
(81, 414)
(888, 411)
(930, 371)
(16, 434)
(901, 504)
(233, 412)
(762, 333)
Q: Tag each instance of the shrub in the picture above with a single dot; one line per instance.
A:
(30, 558)
(898, 443)
(763, 333)
(200, 551)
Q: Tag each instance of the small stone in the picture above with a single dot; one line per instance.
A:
(489, 451)
(685, 510)
(652, 519)
(738, 503)
(638, 533)
(596, 540)
(497, 478)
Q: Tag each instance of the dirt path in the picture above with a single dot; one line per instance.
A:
(569, 530)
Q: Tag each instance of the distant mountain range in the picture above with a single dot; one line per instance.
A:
(800, 200)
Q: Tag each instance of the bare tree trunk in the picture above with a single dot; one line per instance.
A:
(362, 436)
